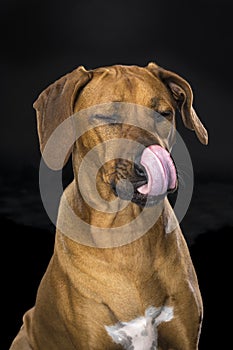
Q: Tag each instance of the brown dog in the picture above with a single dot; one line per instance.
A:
(87, 287)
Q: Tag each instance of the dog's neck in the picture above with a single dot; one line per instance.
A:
(96, 227)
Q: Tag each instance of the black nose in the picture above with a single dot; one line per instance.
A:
(139, 170)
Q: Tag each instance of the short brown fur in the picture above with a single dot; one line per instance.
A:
(85, 288)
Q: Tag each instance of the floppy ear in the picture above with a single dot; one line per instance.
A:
(182, 93)
(53, 106)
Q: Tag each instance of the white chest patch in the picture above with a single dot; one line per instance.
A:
(141, 333)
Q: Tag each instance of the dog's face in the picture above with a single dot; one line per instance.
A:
(140, 107)
(122, 93)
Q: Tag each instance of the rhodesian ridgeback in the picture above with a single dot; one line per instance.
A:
(92, 290)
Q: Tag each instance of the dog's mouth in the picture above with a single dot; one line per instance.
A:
(154, 177)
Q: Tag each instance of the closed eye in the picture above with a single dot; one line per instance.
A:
(108, 119)
(161, 116)
(166, 114)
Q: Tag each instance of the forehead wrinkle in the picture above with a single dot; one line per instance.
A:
(123, 85)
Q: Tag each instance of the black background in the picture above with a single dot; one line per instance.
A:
(43, 40)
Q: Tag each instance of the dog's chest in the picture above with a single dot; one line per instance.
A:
(127, 275)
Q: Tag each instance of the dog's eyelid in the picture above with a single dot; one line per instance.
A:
(112, 118)
(166, 113)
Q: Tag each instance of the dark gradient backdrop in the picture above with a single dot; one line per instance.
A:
(43, 40)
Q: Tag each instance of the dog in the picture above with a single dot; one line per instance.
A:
(88, 287)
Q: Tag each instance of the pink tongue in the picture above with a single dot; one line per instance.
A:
(160, 170)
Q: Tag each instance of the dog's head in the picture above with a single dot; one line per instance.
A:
(140, 104)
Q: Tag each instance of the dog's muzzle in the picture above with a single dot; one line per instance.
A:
(154, 177)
